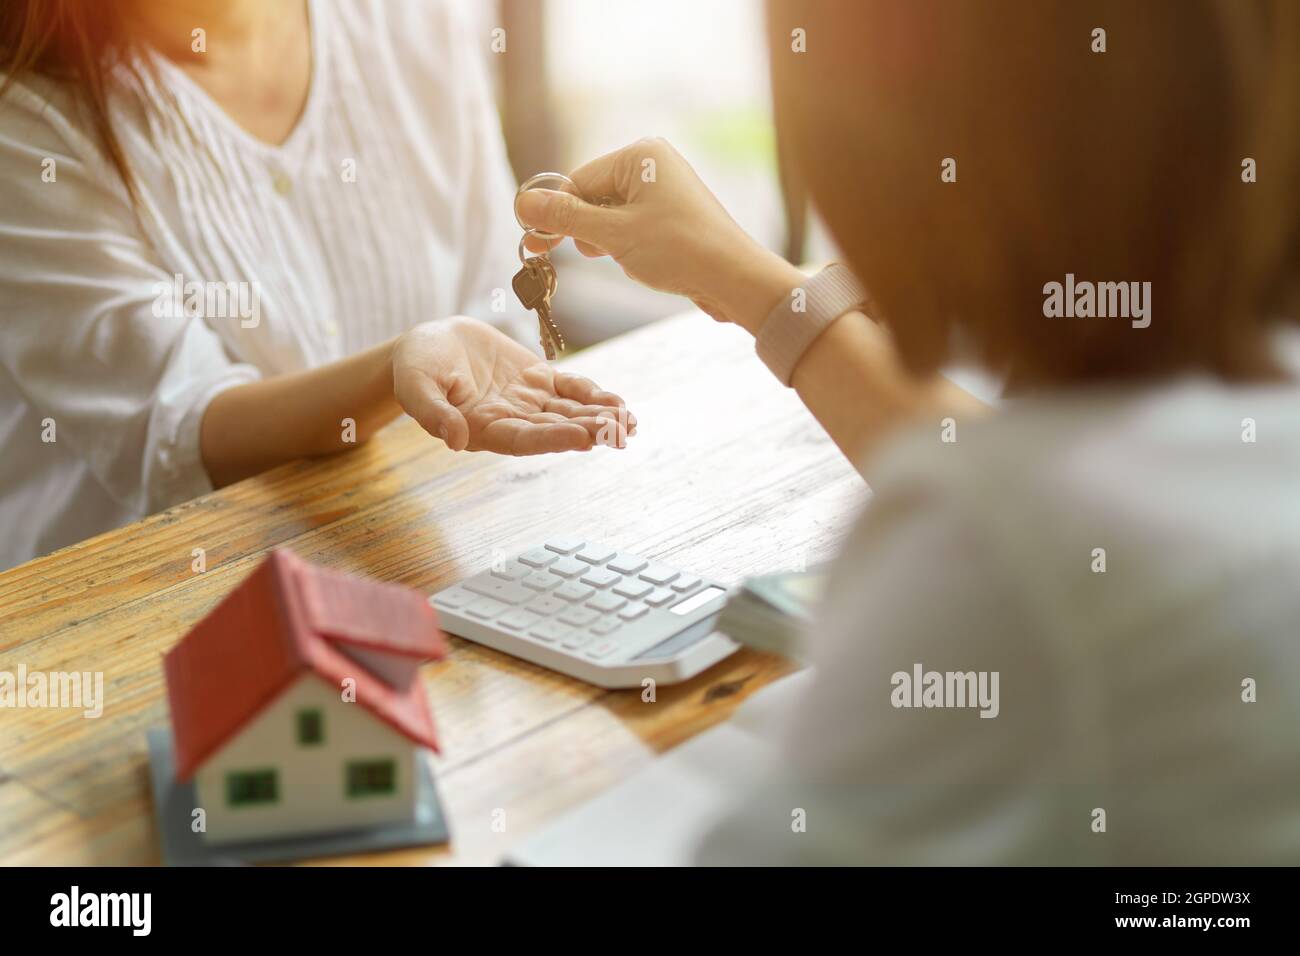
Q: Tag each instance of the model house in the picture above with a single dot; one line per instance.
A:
(295, 704)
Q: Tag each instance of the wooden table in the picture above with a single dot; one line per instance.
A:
(729, 475)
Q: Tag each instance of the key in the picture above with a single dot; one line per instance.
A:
(658, 574)
(600, 577)
(604, 602)
(660, 596)
(506, 591)
(538, 557)
(454, 598)
(534, 284)
(549, 631)
(567, 568)
(572, 591)
(518, 619)
(633, 588)
(579, 616)
(564, 544)
(627, 563)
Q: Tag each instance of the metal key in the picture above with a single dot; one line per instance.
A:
(534, 285)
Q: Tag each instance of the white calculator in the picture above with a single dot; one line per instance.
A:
(593, 612)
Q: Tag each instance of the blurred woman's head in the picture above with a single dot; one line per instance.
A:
(966, 154)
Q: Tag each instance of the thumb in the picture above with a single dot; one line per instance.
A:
(565, 214)
(424, 401)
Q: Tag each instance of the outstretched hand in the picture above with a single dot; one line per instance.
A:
(479, 390)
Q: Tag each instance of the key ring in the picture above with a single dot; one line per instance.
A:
(532, 182)
(551, 278)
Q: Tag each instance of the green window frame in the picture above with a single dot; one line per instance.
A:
(311, 728)
(370, 778)
(252, 787)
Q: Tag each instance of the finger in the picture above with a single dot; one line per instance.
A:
(567, 215)
(605, 430)
(571, 409)
(539, 245)
(605, 175)
(514, 436)
(582, 389)
(545, 418)
(424, 401)
(588, 250)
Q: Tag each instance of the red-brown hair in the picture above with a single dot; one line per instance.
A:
(76, 42)
(1123, 165)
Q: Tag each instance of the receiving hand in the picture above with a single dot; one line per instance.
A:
(477, 389)
(666, 230)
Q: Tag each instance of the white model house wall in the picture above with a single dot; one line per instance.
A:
(311, 781)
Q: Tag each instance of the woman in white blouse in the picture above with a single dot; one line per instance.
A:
(238, 232)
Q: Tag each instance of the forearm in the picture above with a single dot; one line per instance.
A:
(850, 378)
(250, 428)
(853, 382)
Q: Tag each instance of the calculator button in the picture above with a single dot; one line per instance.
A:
(633, 588)
(661, 596)
(486, 608)
(519, 619)
(578, 639)
(453, 598)
(538, 557)
(567, 568)
(546, 605)
(510, 571)
(602, 649)
(573, 591)
(658, 574)
(627, 564)
(506, 591)
(564, 544)
(632, 612)
(540, 581)
(600, 577)
(606, 602)
(596, 554)
(685, 582)
(607, 626)
(549, 631)
(579, 616)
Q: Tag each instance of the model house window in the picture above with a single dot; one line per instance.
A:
(245, 788)
(311, 727)
(366, 778)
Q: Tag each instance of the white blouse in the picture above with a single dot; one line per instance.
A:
(1125, 563)
(389, 204)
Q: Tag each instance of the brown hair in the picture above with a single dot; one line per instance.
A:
(76, 42)
(1123, 165)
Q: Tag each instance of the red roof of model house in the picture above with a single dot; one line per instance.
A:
(286, 618)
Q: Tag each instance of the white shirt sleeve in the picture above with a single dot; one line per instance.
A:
(863, 781)
(491, 233)
(124, 379)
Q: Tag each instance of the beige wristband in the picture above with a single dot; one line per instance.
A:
(804, 314)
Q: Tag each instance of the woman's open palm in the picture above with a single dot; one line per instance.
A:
(477, 389)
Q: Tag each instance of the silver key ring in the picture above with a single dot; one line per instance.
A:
(532, 182)
(523, 256)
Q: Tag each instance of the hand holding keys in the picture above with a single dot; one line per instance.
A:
(535, 283)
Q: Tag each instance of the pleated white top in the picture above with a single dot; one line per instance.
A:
(389, 204)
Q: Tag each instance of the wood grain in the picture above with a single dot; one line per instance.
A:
(728, 475)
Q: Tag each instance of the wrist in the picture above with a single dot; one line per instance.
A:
(760, 280)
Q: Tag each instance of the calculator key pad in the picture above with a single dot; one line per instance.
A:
(582, 598)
